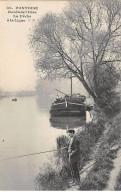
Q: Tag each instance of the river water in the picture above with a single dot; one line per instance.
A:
(26, 129)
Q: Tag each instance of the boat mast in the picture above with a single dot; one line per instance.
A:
(71, 84)
(71, 68)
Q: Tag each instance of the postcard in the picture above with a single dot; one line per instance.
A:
(60, 95)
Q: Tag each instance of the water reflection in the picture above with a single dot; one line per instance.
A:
(67, 122)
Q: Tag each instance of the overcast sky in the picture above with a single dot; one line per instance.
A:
(16, 61)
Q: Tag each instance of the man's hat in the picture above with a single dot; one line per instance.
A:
(70, 131)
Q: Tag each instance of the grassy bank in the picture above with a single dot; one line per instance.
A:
(99, 175)
(58, 177)
(109, 135)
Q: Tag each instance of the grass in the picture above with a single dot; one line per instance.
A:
(58, 178)
(99, 175)
(53, 179)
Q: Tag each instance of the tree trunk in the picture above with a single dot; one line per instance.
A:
(88, 88)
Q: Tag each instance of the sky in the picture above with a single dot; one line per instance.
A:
(16, 61)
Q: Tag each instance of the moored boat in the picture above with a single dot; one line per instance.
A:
(14, 99)
(68, 106)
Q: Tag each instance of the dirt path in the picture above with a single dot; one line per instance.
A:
(114, 173)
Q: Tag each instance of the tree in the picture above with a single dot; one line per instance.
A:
(84, 40)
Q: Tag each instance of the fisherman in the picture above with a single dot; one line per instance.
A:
(73, 150)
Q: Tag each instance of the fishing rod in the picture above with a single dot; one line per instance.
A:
(21, 156)
(38, 152)
(25, 155)
(53, 151)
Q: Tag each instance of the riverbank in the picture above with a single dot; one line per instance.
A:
(59, 176)
(99, 175)
(99, 144)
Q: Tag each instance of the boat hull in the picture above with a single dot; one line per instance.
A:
(68, 109)
(67, 113)
(15, 99)
(67, 122)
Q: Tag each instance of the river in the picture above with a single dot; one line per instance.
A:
(26, 129)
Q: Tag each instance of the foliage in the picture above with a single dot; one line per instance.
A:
(83, 40)
(62, 154)
(53, 179)
(58, 178)
(99, 175)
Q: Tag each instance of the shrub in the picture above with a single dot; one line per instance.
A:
(53, 179)
(58, 178)
(98, 177)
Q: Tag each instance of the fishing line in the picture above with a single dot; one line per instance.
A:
(52, 151)
(28, 155)
(21, 156)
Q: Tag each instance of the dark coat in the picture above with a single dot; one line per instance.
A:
(75, 150)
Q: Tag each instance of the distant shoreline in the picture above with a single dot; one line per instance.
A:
(18, 94)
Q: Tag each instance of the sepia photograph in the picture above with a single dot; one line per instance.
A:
(60, 95)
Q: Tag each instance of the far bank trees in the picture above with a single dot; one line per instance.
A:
(84, 40)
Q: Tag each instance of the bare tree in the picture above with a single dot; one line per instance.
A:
(84, 40)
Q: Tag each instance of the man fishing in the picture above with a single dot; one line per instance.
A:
(73, 150)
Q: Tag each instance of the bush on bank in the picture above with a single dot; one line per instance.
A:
(58, 178)
(99, 175)
(53, 179)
